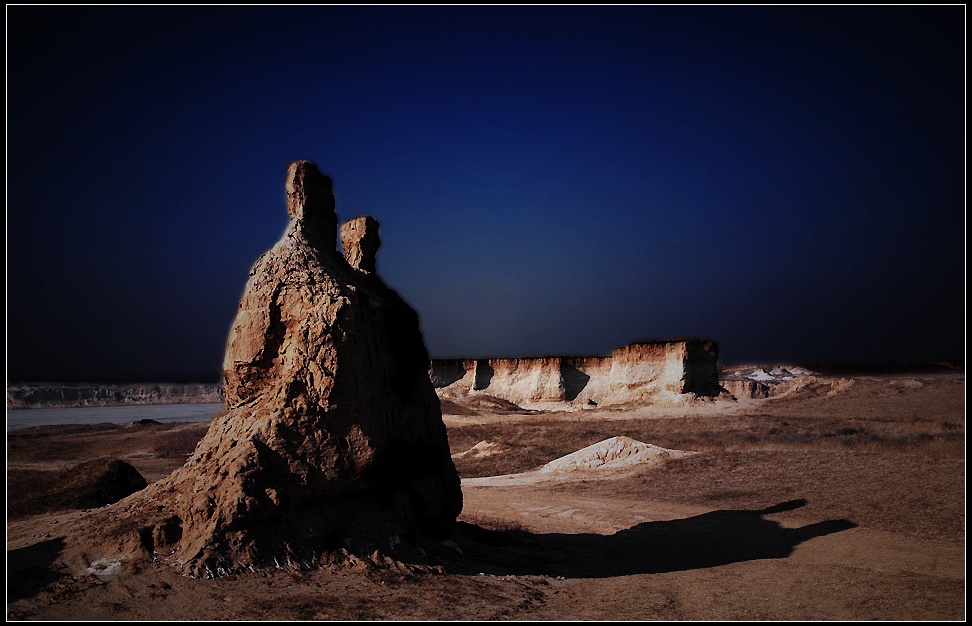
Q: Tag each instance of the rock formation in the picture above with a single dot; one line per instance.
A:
(333, 436)
(360, 239)
(653, 371)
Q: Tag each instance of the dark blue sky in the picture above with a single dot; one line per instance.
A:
(788, 181)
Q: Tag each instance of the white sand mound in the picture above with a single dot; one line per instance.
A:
(616, 452)
(800, 371)
(481, 449)
(603, 460)
(762, 375)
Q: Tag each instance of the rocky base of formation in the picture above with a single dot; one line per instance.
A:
(49, 396)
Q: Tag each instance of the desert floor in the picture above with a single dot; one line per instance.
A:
(841, 499)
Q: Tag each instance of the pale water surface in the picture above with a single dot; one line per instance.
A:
(112, 415)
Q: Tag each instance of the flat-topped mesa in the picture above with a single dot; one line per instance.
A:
(679, 366)
(361, 241)
(648, 371)
(333, 437)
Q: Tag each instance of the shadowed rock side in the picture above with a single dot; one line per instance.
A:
(333, 437)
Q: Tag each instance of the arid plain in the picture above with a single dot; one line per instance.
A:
(842, 497)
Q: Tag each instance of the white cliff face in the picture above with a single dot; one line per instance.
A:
(646, 369)
(526, 380)
(638, 372)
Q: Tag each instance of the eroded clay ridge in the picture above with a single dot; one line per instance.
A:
(333, 439)
(649, 370)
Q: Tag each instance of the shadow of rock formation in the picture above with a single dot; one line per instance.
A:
(446, 371)
(701, 541)
(31, 568)
(484, 375)
(574, 381)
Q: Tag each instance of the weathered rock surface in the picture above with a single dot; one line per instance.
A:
(744, 388)
(654, 371)
(754, 381)
(361, 241)
(333, 436)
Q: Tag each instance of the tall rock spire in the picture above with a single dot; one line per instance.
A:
(333, 437)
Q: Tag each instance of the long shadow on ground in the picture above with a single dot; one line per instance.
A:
(29, 569)
(708, 540)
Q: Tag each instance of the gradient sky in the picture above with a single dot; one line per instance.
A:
(788, 181)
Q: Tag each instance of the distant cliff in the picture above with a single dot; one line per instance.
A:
(651, 370)
(31, 396)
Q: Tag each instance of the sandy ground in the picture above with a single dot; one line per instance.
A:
(843, 499)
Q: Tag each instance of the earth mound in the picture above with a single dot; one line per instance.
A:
(602, 460)
(613, 453)
(481, 450)
(91, 484)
